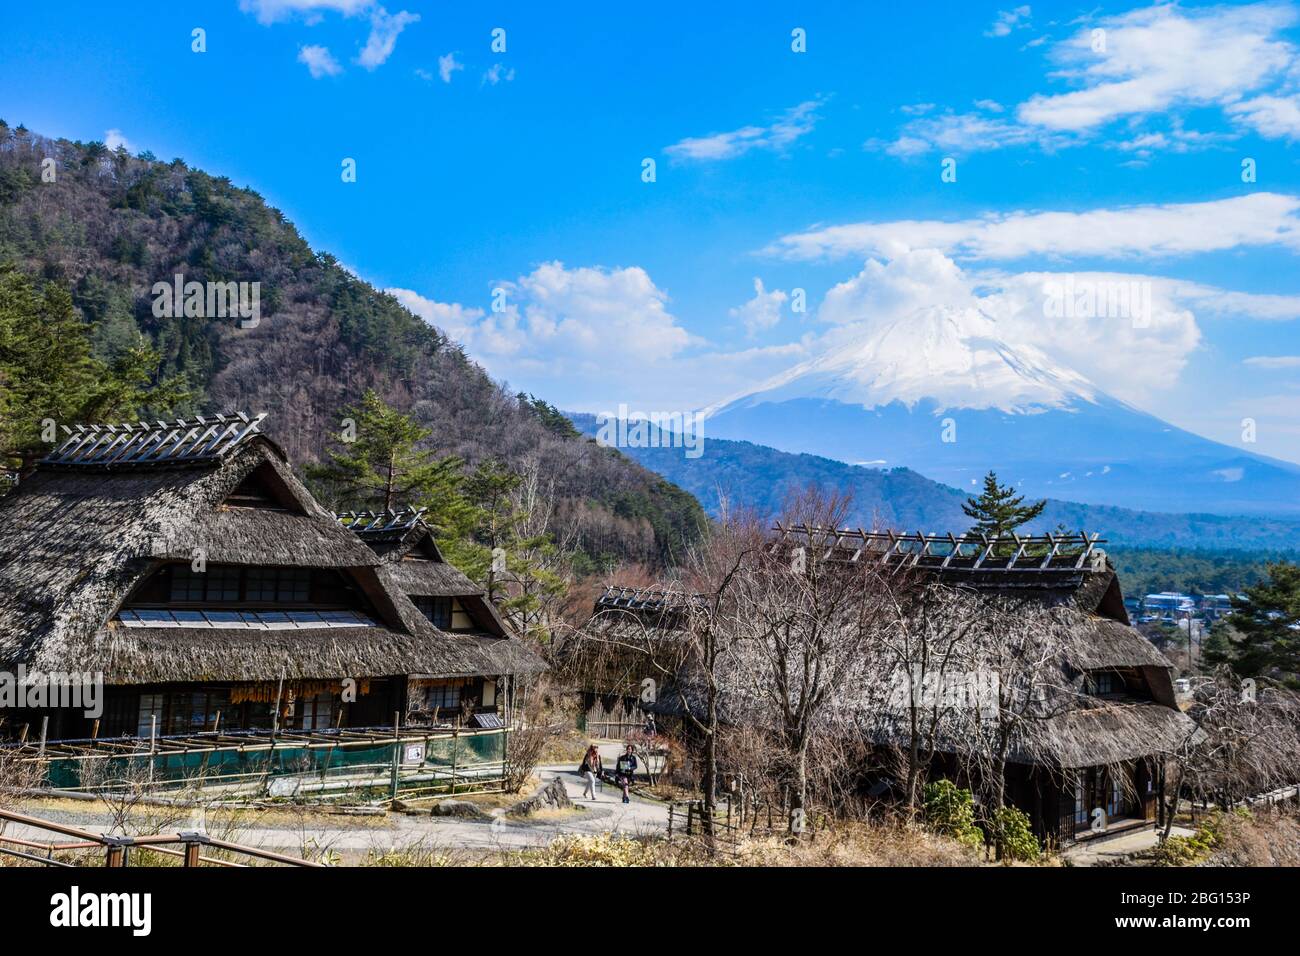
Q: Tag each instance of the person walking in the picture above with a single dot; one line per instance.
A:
(589, 770)
(625, 770)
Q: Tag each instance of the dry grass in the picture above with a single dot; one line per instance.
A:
(856, 844)
(1265, 837)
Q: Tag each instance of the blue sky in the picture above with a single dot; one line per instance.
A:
(522, 171)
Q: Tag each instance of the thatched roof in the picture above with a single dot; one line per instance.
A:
(95, 519)
(1109, 733)
(158, 655)
(412, 563)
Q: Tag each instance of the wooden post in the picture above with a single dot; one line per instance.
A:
(192, 853)
(94, 730)
(45, 726)
(115, 857)
(455, 755)
(153, 742)
(670, 821)
(397, 749)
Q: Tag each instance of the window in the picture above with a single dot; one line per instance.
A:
(279, 585)
(318, 712)
(1105, 683)
(293, 585)
(188, 585)
(1080, 800)
(223, 584)
(151, 709)
(229, 585)
(182, 713)
(436, 609)
(1115, 800)
(443, 697)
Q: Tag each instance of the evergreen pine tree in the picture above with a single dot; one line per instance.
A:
(999, 510)
(379, 463)
(1261, 638)
(48, 372)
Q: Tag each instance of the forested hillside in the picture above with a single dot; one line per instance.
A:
(902, 499)
(110, 225)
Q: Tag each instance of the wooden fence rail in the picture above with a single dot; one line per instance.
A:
(117, 848)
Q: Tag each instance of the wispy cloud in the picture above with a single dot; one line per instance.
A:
(272, 11)
(1157, 230)
(763, 311)
(1273, 361)
(498, 73)
(1141, 71)
(319, 61)
(1008, 20)
(447, 65)
(793, 123)
(385, 28)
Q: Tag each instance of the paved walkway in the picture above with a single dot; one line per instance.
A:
(607, 813)
(1118, 848)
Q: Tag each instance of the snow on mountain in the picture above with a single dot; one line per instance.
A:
(951, 357)
(941, 392)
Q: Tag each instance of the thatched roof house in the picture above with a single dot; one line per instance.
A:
(1098, 743)
(170, 556)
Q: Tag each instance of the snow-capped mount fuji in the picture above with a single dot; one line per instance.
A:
(940, 392)
(948, 356)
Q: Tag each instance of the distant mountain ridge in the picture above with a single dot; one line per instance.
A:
(939, 392)
(902, 499)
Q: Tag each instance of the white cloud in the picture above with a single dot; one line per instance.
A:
(447, 65)
(385, 28)
(319, 61)
(1169, 229)
(456, 320)
(1273, 361)
(1008, 20)
(794, 123)
(960, 133)
(763, 311)
(1147, 65)
(591, 334)
(271, 11)
(114, 139)
(1162, 57)
(1275, 117)
(911, 281)
(1125, 353)
(497, 74)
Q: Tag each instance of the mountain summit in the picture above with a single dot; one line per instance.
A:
(940, 391)
(951, 357)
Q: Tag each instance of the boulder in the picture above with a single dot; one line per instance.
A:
(458, 808)
(553, 796)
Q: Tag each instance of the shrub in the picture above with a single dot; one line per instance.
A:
(950, 810)
(1013, 834)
